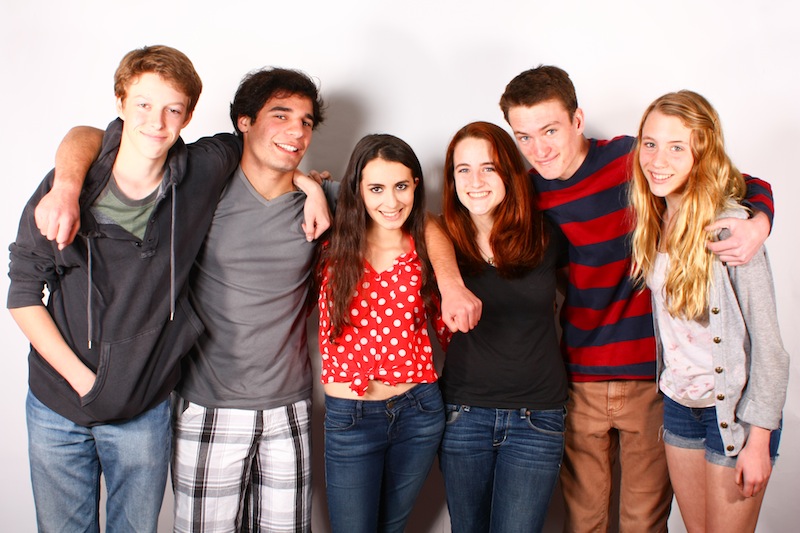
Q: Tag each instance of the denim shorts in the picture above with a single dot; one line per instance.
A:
(696, 428)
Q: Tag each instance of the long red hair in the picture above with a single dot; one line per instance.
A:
(518, 236)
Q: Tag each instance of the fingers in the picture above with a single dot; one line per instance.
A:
(320, 228)
(718, 225)
(457, 323)
(314, 227)
(730, 251)
(465, 317)
(58, 229)
(66, 235)
(309, 234)
(739, 478)
(319, 177)
(58, 218)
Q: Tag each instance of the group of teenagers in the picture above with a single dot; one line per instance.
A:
(180, 278)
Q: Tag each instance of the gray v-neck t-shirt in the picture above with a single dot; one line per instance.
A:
(249, 286)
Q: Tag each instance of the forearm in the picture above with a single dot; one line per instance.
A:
(76, 153)
(38, 326)
(316, 213)
(442, 256)
(308, 185)
(763, 224)
(57, 215)
(759, 198)
(461, 309)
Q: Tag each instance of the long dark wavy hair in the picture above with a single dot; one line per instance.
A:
(344, 257)
(518, 237)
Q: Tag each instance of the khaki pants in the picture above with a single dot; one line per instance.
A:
(606, 420)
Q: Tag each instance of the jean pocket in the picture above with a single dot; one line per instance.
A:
(430, 402)
(550, 422)
(452, 413)
(339, 421)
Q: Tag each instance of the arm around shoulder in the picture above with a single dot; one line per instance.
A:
(316, 213)
(461, 309)
(57, 215)
(746, 235)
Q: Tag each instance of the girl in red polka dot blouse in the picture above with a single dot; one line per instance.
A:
(384, 413)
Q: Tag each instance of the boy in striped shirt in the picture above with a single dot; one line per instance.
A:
(615, 411)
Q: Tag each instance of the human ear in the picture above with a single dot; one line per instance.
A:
(120, 108)
(578, 120)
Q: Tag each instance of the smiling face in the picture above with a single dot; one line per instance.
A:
(154, 113)
(665, 156)
(278, 138)
(479, 187)
(387, 188)
(552, 143)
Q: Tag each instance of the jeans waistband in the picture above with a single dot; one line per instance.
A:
(406, 399)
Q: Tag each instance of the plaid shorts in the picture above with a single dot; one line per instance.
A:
(241, 470)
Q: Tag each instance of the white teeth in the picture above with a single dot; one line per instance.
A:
(478, 194)
(287, 147)
(390, 215)
(660, 177)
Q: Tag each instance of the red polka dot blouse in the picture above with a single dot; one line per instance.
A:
(387, 339)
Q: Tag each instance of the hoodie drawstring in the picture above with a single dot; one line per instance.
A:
(89, 291)
(172, 255)
(89, 328)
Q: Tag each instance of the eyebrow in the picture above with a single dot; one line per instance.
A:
(550, 125)
(651, 138)
(288, 110)
(492, 163)
(404, 180)
(150, 99)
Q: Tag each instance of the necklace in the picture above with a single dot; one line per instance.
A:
(486, 257)
(480, 241)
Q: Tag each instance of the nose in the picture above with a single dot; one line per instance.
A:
(295, 128)
(540, 147)
(476, 180)
(158, 119)
(391, 199)
(659, 159)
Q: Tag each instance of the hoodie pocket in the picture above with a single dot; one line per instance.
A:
(136, 373)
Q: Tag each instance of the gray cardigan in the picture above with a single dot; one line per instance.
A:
(750, 362)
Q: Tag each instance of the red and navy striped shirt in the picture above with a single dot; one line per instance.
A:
(607, 324)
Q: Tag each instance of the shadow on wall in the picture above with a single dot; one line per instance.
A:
(336, 137)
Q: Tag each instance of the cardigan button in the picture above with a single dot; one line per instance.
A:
(718, 370)
(715, 310)
(720, 396)
(730, 447)
(724, 425)
(717, 340)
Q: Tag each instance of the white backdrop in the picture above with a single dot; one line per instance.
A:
(419, 70)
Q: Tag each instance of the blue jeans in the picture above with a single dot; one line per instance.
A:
(377, 457)
(500, 467)
(67, 459)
